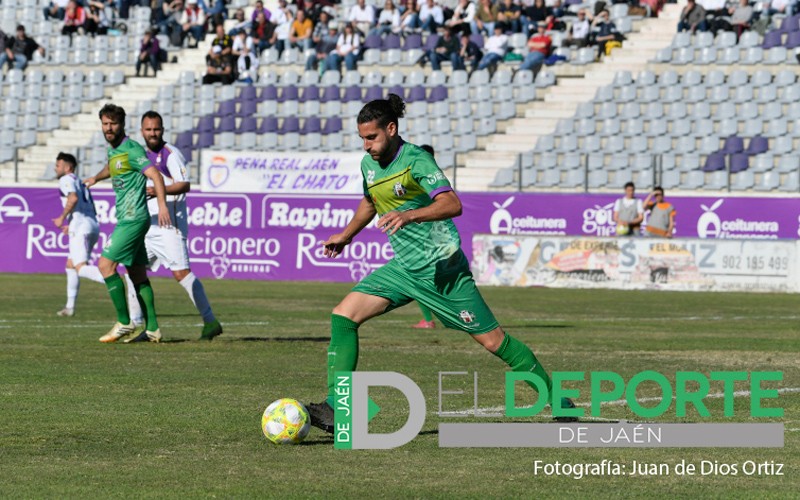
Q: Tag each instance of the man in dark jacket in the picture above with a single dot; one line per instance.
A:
(19, 50)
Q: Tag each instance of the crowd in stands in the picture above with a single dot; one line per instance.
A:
(736, 16)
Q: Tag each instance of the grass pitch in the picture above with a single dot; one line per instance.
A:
(181, 419)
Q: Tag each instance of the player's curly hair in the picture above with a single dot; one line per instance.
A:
(114, 112)
(385, 111)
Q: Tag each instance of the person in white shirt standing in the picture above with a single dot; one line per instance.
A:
(167, 246)
(79, 220)
(628, 212)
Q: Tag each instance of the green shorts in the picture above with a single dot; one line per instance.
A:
(126, 244)
(452, 294)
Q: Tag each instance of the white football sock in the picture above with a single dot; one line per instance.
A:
(197, 293)
(73, 284)
(91, 273)
(134, 309)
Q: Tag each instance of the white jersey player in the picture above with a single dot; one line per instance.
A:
(167, 246)
(79, 220)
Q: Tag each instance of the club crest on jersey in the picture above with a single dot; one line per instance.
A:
(370, 177)
(399, 190)
(467, 316)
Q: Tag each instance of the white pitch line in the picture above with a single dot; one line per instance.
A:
(494, 410)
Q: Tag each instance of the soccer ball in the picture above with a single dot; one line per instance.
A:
(622, 229)
(286, 421)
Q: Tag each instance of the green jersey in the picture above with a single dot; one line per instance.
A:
(126, 164)
(409, 182)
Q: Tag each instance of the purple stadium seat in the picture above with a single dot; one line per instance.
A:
(352, 93)
(227, 124)
(205, 124)
(477, 39)
(226, 108)
(733, 144)
(333, 125)
(772, 39)
(790, 24)
(312, 125)
(247, 94)
(310, 93)
(373, 93)
(430, 42)
(416, 94)
(268, 93)
(396, 89)
(412, 41)
(268, 125)
(739, 162)
(390, 41)
(714, 162)
(248, 124)
(290, 124)
(372, 42)
(205, 140)
(246, 108)
(758, 144)
(183, 141)
(438, 93)
(793, 40)
(289, 94)
(331, 93)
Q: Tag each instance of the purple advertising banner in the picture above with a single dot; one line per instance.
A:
(279, 236)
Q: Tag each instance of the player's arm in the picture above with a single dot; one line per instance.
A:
(446, 205)
(158, 184)
(99, 176)
(174, 188)
(671, 227)
(69, 206)
(363, 216)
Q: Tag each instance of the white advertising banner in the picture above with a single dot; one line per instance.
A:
(288, 172)
(636, 263)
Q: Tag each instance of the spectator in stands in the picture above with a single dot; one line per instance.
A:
(347, 49)
(539, 46)
(98, 21)
(219, 68)
(714, 7)
(168, 21)
(221, 40)
(780, 7)
(430, 17)
(19, 50)
(661, 222)
(300, 35)
(510, 13)
(693, 17)
(260, 9)
(320, 28)
(469, 52)
(629, 212)
(447, 49)
(495, 46)
(55, 9)
(388, 21)
(242, 23)
(739, 20)
(463, 17)
(263, 32)
(578, 35)
(534, 15)
(74, 19)
(215, 11)
(485, 17)
(244, 51)
(326, 45)
(603, 32)
(362, 16)
(409, 13)
(148, 53)
(193, 22)
(283, 18)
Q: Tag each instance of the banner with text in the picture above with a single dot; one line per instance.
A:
(289, 172)
(635, 263)
(277, 236)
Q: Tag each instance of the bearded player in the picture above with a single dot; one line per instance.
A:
(404, 186)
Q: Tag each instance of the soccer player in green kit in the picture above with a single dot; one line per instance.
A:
(415, 204)
(129, 169)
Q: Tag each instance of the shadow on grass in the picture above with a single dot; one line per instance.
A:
(282, 339)
(174, 341)
(328, 440)
(535, 325)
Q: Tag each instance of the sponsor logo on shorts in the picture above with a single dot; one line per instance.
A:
(467, 316)
(399, 190)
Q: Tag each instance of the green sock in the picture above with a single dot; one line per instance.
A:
(343, 350)
(144, 294)
(426, 313)
(521, 359)
(116, 289)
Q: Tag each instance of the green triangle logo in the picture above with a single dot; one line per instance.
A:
(372, 410)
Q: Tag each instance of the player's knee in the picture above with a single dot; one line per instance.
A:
(107, 267)
(491, 341)
(344, 311)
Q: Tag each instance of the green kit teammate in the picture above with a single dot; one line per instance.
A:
(129, 170)
(405, 187)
